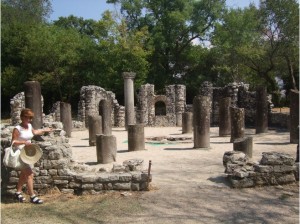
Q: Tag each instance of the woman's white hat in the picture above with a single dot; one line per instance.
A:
(30, 154)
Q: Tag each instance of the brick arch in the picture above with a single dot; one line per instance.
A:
(160, 105)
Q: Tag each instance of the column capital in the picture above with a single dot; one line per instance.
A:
(128, 75)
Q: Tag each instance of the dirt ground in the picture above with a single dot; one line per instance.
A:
(189, 185)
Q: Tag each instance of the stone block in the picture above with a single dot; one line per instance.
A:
(134, 164)
(286, 178)
(87, 186)
(276, 158)
(59, 182)
(98, 186)
(73, 184)
(43, 173)
(283, 168)
(43, 180)
(242, 182)
(125, 177)
(135, 187)
(52, 172)
(122, 186)
(13, 180)
(263, 168)
(89, 178)
(136, 176)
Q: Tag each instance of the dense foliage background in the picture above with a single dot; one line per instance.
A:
(163, 41)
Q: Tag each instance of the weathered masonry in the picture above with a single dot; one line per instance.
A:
(57, 169)
(160, 110)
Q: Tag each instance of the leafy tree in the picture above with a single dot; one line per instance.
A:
(18, 17)
(281, 19)
(173, 27)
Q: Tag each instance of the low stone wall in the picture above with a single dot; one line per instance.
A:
(273, 169)
(56, 169)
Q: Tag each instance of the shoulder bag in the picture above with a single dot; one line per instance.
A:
(12, 157)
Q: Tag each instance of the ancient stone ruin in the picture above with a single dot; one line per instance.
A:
(273, 169)
(57, 169)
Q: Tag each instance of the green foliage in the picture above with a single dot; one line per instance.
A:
(162, 41)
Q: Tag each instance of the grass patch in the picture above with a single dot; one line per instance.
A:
(64, 208)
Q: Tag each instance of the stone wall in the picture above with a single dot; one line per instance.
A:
(90, 97)
(174, 101)
(56, 169)
(273, 169)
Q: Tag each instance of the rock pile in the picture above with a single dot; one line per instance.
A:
(273, 169)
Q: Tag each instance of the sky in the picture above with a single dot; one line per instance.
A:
(93, 9)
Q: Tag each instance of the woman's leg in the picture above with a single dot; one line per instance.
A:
(26, 176)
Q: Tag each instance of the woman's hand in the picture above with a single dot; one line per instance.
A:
(47, 130)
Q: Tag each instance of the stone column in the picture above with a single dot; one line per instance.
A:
(187, 122)
(106, 146)
(261, 110)
(244, 145)
(33, 101)
(95, 128)
(224, 117)
(294, 116)
(201, 117)
(237, 123)
(136, 137)
(66, 117)
(105, 112)
(129, 97)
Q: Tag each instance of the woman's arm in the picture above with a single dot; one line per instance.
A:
(41, 131)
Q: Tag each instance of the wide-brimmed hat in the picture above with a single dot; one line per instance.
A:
(30, 154)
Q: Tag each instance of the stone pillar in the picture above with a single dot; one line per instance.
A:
(180, 101)
(66, 117)
(244, 145)
(237, 123)
(105, 112)
(294, 116)
(106, 146)
(33, 101)
(201, 117)
(261, 110)
(95, 128)
(187, 122)
(224, 117)
(136, 137)
(129, 97)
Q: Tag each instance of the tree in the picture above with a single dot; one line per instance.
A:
(18, 17)
(173, 27)
(281, 19)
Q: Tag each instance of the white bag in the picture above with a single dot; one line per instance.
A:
(12, 158)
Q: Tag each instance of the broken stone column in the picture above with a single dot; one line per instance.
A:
(33, 101)
(106, 146)
(129, 98)
(261, 110)
(244, 145)
(95, 128)
(294, 116)
(237, 123)
(136, 137)
(66, 117)
(201, 117)
(105, 112)
(224, 117)
(187, 122)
